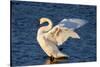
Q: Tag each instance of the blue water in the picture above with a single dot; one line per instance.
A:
(25, 16)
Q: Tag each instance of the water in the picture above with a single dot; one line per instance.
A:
(25, 16)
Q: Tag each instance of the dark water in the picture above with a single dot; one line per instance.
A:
(25, 16)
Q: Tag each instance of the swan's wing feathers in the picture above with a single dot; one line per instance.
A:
(72, 23)
(60, 34)
(65, 29)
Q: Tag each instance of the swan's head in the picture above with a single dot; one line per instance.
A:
(43, 20)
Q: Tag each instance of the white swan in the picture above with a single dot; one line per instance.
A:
(50, 37)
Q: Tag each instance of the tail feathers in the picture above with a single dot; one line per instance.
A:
(61, 55)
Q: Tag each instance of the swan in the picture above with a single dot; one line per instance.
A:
(49, 37)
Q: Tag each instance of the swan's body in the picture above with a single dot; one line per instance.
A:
(50, 37)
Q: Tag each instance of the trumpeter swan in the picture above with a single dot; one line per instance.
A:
(50, 37)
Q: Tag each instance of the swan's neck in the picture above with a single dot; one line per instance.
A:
(49, 25)
(45, 29)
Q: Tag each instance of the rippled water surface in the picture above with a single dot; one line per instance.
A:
(25, 16)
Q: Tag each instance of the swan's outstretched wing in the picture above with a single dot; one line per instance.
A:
(65, 29)
(72, 23)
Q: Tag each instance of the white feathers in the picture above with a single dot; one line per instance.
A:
(61, 34)
(72, 23)
(49, 37)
